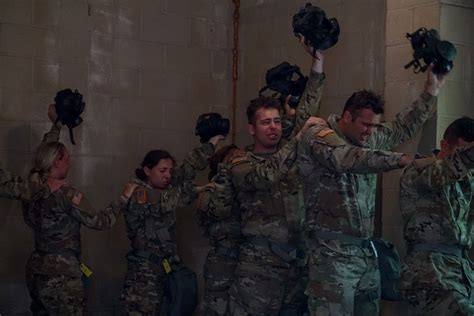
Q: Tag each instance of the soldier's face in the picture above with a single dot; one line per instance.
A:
(160, 175)
(449, 147)
(359, 128)
(266, 131)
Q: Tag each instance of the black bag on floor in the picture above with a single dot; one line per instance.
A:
(390, 269)
(180, 293)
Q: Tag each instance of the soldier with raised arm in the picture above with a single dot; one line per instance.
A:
(436, 200)
(55, 212)
(338, 166)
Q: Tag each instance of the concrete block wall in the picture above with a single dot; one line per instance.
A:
(146, 68)
(356, 62)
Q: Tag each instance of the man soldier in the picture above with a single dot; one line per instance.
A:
(436, 199)
(338, 166)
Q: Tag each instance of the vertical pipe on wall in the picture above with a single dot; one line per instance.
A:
(235, 64)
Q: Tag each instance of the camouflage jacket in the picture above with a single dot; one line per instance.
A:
(339, 179)
(436, 199)
(222, 226)
(308, 106)
(56, 220)
(266, 197)
(266, 188)
(150, 214)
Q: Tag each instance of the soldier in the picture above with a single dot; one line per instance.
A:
(222, 227)
(339, 185)
(151, 223)
(56, 212)
(438, 214)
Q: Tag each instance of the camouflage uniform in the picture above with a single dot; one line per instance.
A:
(339, 185)
(53, 275)
(151, 223)
(267, 191)
(438, 212)
(223, 230)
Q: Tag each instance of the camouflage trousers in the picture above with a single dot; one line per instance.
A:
(219, 271)
(264, 284)
(143, 287)
(55, 294)
(437, 284)
(340, 284)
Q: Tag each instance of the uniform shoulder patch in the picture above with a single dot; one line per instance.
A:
(141, 195)
(324, 132)
(238, 160)
(77, 198)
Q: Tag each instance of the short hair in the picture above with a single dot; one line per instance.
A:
(364, 99)
(151, 159)
(461, 128)
(262, 102)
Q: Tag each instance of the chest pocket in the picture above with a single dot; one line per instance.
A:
(161, 220)
(365, 188)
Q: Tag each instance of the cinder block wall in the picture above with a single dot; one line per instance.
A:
(146, 68)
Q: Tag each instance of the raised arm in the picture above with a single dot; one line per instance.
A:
(54, 132)
(310, 100)
(195, 161)
(408, 122)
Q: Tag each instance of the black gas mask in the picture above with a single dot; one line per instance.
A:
(286, 80)
(319, 31)
(69, 107)
(428, 47)
(209, 125)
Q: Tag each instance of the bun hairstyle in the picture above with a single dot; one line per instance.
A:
(151, 159)
(45, 156)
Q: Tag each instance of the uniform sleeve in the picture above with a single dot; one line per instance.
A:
(432, 174)
(287, 126)
(406, 124)
(251, 175)
(100, 220)
(332, 152)
(53, 134)
(310, 100)
(195, 161)
(217, 203)
(14, 187)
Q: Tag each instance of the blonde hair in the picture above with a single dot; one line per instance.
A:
(44, 158)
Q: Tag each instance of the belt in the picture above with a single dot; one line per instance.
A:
(452, 250)
(151, 256)
(63, 252)
(348, 239)
(285, 251)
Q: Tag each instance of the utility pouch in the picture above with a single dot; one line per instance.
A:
(390, 269)
(180, 292)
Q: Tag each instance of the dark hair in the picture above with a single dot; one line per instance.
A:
(218, 157)
(152, 158)
(262, 102)
(461, 128)
(364, 99)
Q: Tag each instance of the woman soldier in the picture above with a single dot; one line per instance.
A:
(56, 212)
(151, 222)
